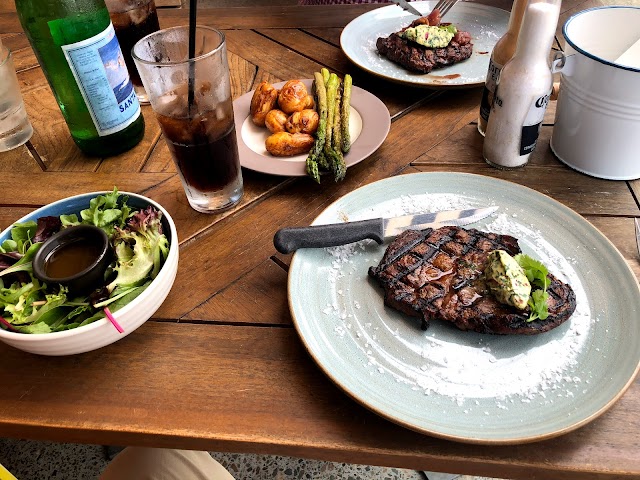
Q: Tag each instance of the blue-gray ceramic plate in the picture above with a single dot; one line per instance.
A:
(465, 386)
(485, 24)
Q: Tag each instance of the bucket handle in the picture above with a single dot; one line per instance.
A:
(564, 63)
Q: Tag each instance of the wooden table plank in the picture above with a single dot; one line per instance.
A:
(135, 159)
(168, 3)
(243, 74)
(259, 296)
(635, 187)
(21, 52)
(302, 42)
(278, 16)
(278, 60)
(290, 16)
(19, 159)
(200, 363)
(621, 232)
(586, 196)
(9, 215)
(46, 187)
(330, 35)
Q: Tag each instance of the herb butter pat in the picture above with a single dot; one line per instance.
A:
(507, 280)
(430, 36)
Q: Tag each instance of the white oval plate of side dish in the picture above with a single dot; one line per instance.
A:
(486, 25)
(369, 124)
(466, 386)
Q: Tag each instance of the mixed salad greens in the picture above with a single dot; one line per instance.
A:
(140, 248)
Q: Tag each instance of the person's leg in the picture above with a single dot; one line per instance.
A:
(137, 463)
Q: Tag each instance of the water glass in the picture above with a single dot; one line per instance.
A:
(15, 128)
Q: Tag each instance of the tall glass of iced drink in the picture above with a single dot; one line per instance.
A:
(191, 98)
(132, 20)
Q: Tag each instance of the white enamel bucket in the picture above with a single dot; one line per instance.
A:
(597, 124)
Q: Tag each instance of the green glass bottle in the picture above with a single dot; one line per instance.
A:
(76, 46)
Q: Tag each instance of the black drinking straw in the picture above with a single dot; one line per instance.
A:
(192, 50)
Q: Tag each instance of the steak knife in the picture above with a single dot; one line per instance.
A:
(407, 6)
(287, 240)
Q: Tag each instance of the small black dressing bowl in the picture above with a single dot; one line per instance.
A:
(76, 257)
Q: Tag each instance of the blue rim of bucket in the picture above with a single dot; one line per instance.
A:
(591, 55)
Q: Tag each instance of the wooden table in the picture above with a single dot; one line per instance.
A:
(220, 366)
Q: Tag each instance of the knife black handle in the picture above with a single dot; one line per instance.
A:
(287, 240)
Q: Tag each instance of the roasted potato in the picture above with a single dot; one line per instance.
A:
(285, 144)
(276, 120)
(305, 121)
(264, 99)
(294, 97)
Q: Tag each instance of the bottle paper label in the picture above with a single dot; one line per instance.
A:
(489, 90)
(532, 124)
(99, 69)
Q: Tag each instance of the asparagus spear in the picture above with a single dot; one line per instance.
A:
(332, 88)
(337, 133)
(323, 161)
(326, 153)
(316, 158)
(321, 101)
(332, 156)
(312, 169)
(345, 108)
(338, 166)
(325, 75)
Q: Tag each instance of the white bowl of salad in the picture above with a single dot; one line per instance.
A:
(47, 319)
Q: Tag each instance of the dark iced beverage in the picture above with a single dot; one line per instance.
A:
(190, 93)
(204, 148)
(133, 20)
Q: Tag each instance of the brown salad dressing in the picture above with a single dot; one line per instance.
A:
(71, 258)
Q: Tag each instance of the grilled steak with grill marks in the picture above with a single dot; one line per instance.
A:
(438, 274)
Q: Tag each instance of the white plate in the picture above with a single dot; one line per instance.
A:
(369, 123)
(485, 24)
(465, 386)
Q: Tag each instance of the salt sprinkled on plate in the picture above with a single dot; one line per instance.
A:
(461, 366)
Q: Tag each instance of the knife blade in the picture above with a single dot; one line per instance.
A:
(290, 239)
(406, 6)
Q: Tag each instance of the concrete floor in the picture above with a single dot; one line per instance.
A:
(31, 460)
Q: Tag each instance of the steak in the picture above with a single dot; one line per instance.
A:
(438, 274)
(417, 58)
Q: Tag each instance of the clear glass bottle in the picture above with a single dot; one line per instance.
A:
(76, 46)
(500, 55)
(523, 89)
